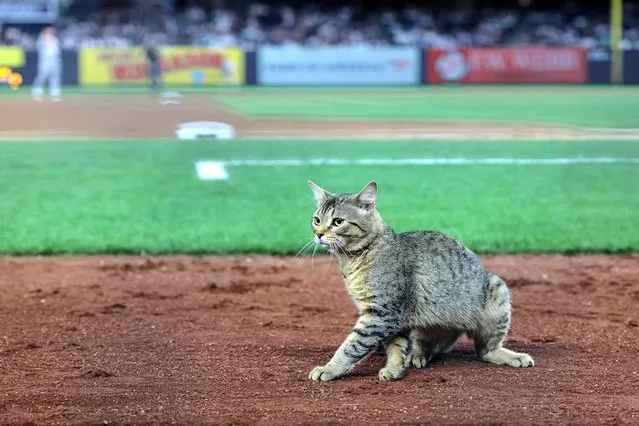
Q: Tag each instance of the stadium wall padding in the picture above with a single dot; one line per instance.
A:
(598, 70)
(251, 68)
(631, 67)
(423, 69)
(69, 68)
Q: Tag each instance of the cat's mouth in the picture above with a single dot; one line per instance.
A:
(321, 241)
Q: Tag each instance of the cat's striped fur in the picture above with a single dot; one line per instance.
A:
(416, 292)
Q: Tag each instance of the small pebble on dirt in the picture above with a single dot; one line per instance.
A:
(98, 373)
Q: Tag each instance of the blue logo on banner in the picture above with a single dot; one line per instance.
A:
(197, 77)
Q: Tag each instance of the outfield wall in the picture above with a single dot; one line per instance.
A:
(29, 67)
(332, 66)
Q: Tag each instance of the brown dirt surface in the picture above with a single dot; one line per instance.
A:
(140, 116)
(231, 340)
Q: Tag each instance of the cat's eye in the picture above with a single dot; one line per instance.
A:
(338, 221)
(316, 220)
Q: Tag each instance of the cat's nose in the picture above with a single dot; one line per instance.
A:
(319, 235)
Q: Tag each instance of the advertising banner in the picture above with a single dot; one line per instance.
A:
(338, 66)
(12, 56)
(181, 65)
(507, 65)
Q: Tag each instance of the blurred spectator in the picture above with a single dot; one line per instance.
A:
(259, 24)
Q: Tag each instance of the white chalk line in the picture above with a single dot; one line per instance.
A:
(429, 161)
(442, 134)
(217, 169)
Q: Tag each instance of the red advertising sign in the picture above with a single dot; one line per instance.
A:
(507, 65)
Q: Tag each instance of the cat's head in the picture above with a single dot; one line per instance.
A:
(346, 223)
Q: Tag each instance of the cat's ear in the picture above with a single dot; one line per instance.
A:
(320, 194)
(367, 197)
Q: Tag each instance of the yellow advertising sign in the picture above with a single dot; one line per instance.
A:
(5, 72)
(180, 65)
(13, 79)
(11, 56)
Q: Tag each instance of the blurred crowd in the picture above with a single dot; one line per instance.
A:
(260, 24)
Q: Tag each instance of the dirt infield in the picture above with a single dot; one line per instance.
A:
(123, 116)
(208, 340)
(230, 340)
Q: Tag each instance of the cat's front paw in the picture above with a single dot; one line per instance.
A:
(387, 374)
(322, 373)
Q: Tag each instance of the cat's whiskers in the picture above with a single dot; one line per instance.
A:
(313, 259)
(332, 246)
(304, 247)
(342, 246)
(328, 250)
(339, 258)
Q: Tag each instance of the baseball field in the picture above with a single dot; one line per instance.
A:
(136, 289)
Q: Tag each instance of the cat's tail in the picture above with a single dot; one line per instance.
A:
(494, 325)
(494, 320)
(497, 300)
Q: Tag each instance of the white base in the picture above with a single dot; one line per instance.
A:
(211, 170)
(171, 98)
(205, 130)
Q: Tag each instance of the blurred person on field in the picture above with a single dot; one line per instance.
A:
(49, 65)
(154, 65)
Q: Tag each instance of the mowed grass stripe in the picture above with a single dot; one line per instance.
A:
(141, 197)
(589, 108)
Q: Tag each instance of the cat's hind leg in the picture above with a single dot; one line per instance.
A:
(425, 343)
(420, 353)
(493, 326)
(446, 341)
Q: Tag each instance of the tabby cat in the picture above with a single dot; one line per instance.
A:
(416, 292)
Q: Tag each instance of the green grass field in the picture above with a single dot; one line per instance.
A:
(586, 108)
(137, 196)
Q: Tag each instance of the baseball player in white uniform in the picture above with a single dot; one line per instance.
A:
(49, 65)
